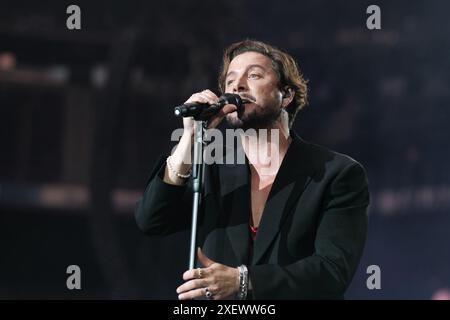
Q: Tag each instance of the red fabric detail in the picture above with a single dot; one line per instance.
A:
(253, 231)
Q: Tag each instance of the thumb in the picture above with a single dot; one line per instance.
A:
(228, 109)
(217, 118)
(204, 260)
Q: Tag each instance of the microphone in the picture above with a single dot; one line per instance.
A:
(202, 111)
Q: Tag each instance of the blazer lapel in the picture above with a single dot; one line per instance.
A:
(235, 198)
(293, 176)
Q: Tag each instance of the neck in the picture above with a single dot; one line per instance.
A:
(266, 148)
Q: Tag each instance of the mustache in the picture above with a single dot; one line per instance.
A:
(246, 98)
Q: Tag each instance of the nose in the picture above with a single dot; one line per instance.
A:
(240, 84)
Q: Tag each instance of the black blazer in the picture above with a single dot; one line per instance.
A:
(312, 231)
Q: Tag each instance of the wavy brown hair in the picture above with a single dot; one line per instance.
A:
(284, 65)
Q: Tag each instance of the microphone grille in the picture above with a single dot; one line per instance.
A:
(231, 98)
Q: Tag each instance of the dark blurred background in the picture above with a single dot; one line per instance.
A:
(84, 115)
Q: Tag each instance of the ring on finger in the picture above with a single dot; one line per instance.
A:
(208, 294)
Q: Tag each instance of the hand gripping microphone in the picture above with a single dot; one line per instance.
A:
(203, 111)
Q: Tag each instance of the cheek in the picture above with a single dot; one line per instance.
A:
(273, 97)
(267, 92)
(277, 96)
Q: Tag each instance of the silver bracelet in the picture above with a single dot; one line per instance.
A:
(243, 282)
(183, 176)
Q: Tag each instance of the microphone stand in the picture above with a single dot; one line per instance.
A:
(198, 169)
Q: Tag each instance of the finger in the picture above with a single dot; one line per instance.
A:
(190, 274)
(197, 97)
(208, 96)
(191, 285)
(197, 293)
(195, 274)
(204, 260)
(211, 95)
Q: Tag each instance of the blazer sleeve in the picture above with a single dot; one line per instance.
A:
(163, 208)
(339, 244)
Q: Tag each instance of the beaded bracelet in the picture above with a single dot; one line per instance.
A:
(183, 176)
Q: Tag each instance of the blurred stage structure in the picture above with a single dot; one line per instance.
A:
(85, 114)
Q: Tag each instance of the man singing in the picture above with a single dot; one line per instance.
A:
(296, 231)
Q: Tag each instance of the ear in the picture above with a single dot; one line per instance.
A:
(288, 96)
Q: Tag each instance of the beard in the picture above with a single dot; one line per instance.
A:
(257, 118)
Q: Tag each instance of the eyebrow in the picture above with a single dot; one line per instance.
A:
(248, 68)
